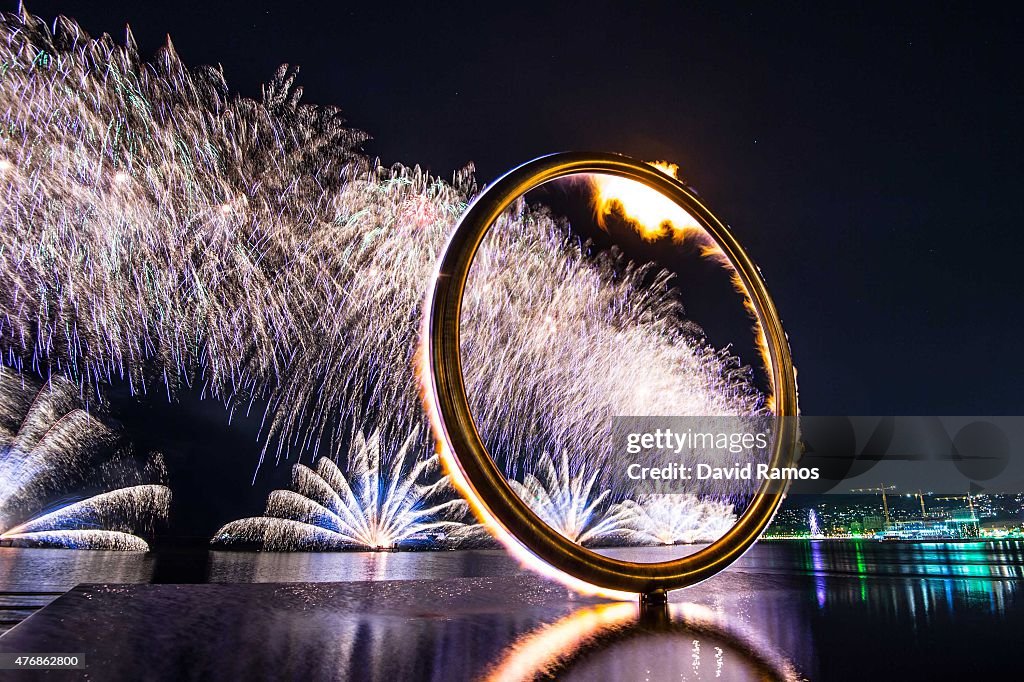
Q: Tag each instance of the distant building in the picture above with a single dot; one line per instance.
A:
(873, 524)
(956, 525)
(964, 523)
(1002, 529)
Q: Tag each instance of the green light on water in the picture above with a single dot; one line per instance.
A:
(861, 569)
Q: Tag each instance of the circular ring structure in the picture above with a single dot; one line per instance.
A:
(453, 419)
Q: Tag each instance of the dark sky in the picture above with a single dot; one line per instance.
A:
(868, 158)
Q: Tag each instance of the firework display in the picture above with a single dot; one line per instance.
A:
(163, 232)
(469, 350)
(51, 448)
(670, 519)
(568, 501)
(368, 508)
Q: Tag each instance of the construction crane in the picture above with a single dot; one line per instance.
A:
(885, 503)
(968, 497)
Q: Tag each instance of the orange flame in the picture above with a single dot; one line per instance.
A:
(654, 216)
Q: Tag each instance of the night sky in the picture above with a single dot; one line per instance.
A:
(868, 158)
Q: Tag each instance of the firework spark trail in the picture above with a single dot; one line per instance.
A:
(669, 519)
(369, 508)
(556, 344)
(50, 447)
(76, 538)
(813, 527)
(567, 500)
(122, 510)
(43, 437)
(160, 229)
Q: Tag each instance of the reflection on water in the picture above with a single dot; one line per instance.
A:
(818, 567)
(284, 567)
(623, 642)
(1003, 559)
(882, 577)
(41, 570)
(935, 576)
(650, 554)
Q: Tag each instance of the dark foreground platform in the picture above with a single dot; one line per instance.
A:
(820, 610)
(506, 628)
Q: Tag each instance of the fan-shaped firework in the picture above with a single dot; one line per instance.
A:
(158, 228)
(813, 527)
(673, 518)
(565, 498)
(50, 449)
(377, 506)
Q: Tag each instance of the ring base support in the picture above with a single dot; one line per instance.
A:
(653, 599)
(654, 608)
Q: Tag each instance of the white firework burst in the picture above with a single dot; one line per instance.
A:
(376, 506)
(50, 452)
(564, 495)
(159, 229)
(674, 518)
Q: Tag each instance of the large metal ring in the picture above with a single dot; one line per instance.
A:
(457, 431)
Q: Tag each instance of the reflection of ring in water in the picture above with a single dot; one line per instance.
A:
(620, 641)
(466, 457)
